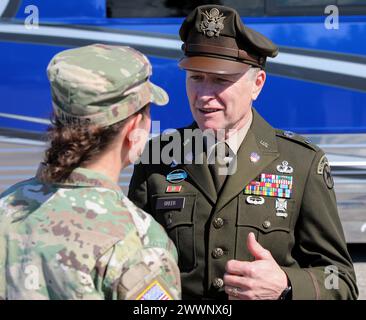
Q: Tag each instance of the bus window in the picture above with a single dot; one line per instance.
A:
(173, 8)
(313, 7)
(302, 3)
(351, 2)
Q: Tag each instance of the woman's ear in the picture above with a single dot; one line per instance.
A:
(132, 126)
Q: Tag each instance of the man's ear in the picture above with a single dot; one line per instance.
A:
(258, 83)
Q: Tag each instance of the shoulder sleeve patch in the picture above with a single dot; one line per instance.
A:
(324, 169)
(133, 276)
(289, 135)
(327, 175)
(322, 163)
(154, 291)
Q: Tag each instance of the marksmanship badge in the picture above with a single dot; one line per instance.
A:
(212, 22)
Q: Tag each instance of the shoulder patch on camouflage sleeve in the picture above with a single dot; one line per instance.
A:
(154, 291)
(291, 136)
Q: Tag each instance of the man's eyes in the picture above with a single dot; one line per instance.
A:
(195, 77)
(216, 80)
(222, 80)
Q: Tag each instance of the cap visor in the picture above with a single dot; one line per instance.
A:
(159, 95)
(212, 65)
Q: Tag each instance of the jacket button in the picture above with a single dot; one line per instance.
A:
(217, 253)
(169, 220)
(218, 223)
(266, 224)
(218, 283)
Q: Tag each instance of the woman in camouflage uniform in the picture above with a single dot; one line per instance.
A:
(70, 232)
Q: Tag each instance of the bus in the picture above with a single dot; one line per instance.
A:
(316, 86)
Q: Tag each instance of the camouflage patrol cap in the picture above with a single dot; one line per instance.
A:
(101, 84)
(217, 41)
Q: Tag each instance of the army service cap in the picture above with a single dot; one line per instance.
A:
(101, 84)
(217, 41)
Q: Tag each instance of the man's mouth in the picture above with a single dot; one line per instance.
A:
(208, 110)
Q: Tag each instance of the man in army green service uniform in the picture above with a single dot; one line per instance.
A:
(269, 227)
(70, 232)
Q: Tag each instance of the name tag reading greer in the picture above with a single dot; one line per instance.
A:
(170, 203)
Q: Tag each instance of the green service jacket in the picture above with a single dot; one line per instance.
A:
(210, 229)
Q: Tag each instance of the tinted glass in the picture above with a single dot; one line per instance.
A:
(174, 8)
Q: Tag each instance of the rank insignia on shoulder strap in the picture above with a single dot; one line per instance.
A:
(289, 134)
(154, 291)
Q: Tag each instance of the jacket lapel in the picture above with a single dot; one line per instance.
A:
(260, 139)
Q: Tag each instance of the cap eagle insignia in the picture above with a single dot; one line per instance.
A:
(212, 22)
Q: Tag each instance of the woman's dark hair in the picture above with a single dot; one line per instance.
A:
(71, 146)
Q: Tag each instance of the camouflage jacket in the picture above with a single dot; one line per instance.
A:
(82, 239)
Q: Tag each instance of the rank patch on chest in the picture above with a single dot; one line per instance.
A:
(170, 203)
(154, 291)
(270, 185)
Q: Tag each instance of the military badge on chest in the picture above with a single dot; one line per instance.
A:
(272, 185)
(281, 208)
(176, 176)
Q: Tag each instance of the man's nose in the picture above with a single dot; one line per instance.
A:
(205, 91)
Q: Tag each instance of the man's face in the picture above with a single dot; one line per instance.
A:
(221, 101)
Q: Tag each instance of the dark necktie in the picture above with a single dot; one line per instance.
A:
(220, 167)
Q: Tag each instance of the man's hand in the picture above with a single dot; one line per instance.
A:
(260, 279)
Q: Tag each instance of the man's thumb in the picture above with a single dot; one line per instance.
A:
(256, 249)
